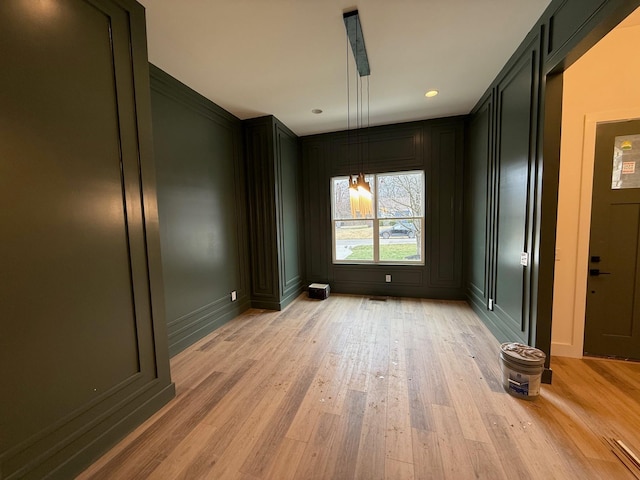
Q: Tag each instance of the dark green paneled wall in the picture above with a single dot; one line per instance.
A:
(514, 138)
(83, 351)
(275, 212)
(290, 207)
(81, 282)
(515, 166)
(478, 206)
(444, 205)
(202, 210)
(435, 146)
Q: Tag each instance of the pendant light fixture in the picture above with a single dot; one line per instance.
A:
(359, 189)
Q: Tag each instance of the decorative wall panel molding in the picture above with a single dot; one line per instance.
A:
(515, 133)
(275, 213)
(83, 342)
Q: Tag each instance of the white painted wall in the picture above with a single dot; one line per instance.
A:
(602, 86)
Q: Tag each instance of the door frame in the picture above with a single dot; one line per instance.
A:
(576, 348)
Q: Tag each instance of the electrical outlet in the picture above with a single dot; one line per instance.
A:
(387, 278)
(233, 296)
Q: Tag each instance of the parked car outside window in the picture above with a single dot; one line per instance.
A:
(398, 230)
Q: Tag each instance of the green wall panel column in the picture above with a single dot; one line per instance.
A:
(516, 117)
(478, 205)
(275, 213)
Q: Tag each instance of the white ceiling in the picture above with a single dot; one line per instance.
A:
(287, 57)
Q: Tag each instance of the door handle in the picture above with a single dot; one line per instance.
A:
(594, 272)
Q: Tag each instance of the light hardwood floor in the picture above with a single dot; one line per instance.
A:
(351, 387)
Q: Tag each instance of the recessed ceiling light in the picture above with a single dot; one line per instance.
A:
(431, 93)
(317, 111)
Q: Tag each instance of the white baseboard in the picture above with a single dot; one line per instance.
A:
(565, 350)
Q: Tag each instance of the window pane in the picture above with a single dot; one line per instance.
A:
(340, 190)
(626, 155)
(354, 240)
(362, 205)
(401, 240)
(400, 195)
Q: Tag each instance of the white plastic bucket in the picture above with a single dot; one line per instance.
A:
(522, 368)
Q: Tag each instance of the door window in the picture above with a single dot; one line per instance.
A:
(626, 162)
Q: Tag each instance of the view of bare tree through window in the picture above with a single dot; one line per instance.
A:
(394, 231)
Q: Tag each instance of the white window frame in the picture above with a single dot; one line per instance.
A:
(375, 219)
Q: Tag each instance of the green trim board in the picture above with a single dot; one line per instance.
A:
(572, 27)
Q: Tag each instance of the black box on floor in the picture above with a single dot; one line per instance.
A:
(319, 291)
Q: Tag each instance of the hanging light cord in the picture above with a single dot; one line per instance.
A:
(348, 107)
(368, 124)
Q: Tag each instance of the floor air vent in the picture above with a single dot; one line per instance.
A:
(378, 299)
